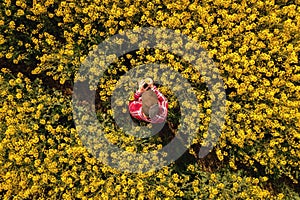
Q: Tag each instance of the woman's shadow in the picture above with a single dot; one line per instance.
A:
(165, 133)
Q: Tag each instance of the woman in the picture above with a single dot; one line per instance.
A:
(149, 103)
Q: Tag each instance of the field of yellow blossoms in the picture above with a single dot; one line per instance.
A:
(255, 45)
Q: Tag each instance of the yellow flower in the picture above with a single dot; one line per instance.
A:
(20, 12)
(9, 55)
(214, 191)
(19, 95)
(12, 25)
(280, 196)
(8, 12)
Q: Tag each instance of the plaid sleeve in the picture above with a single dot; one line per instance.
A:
(137, 95)
(164, 111)
(135, 107)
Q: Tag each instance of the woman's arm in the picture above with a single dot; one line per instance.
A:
(160, 96)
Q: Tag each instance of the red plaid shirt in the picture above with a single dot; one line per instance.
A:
(135, 107)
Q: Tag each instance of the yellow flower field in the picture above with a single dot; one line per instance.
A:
(255, 46)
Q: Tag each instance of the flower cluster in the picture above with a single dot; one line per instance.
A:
(254, 45)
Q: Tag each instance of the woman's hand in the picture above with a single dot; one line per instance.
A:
(149, 81)
(141, 86)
